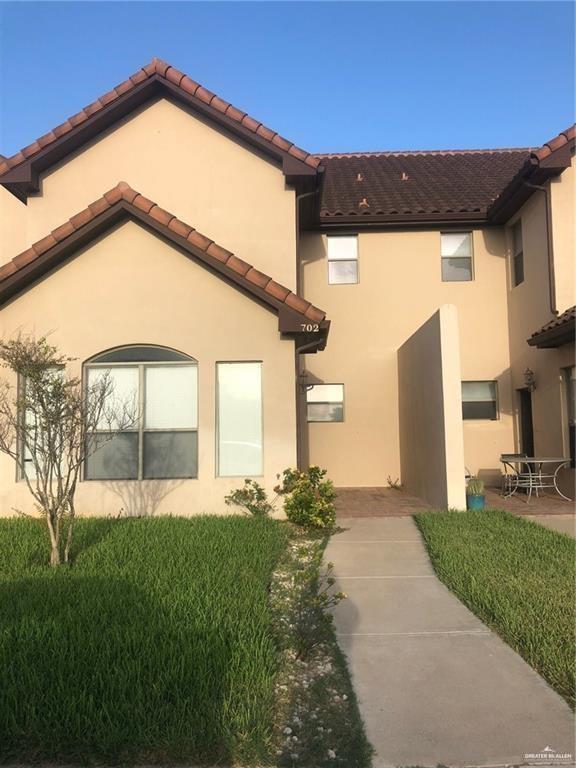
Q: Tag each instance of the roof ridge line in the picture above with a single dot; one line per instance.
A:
(400, 152)
(124, 192)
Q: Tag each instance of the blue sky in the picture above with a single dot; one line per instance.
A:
(328, 76)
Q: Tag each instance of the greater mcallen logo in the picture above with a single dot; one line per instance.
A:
(548, 754)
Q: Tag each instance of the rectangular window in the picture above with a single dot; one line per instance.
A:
(517, 253)
(479, 400)
(456, 252)
(342, 259)
(325, 402)
(163, 444)
(239, 404)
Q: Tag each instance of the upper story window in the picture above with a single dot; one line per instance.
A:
(479, 400)
(456, 251)
(517, 254)
(342, 259)
(162, 386)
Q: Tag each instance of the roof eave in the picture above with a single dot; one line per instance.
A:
(535, 171)
(364, 221)
(554, 337)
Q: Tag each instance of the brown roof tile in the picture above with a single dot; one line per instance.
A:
(160, 215)
(559, 331)
(563, 138)
(179, 228)
(557, 322)
(7, 270)
(40, 246)
(123, 192)
(393, 183)
(222, 254)
(155, 68)
(198, 239)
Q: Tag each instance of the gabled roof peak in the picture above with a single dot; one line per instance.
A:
(126, 96)
(295, 313)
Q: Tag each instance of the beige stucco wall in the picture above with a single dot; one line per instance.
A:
(132, 287)
(13, 215)
(563, 205)
(430, 412)
(400, 288)
(529, 310)
(208, 180)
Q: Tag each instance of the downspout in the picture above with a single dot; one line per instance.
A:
(297, 352)
(550, 244)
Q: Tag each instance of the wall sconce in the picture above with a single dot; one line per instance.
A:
(530, 379)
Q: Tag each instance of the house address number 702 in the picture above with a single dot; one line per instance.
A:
(310, 327)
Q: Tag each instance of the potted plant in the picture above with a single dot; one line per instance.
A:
(475, 498)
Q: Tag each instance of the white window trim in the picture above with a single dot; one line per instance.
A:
(469, 232)
(327, 402)
(355, 260)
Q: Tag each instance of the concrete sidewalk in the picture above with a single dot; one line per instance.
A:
(434, 684)
(561, 523)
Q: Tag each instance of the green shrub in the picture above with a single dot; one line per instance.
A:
(252, 498)
(309, 498)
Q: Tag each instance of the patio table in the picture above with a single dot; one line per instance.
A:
(538, 473)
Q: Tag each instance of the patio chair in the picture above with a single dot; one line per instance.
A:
(517, 473)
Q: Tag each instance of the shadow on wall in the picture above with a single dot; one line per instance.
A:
(141, 498)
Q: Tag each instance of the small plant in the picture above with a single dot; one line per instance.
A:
(396, 484)
(252, 498)
(475, 487)
(313, 609)
(309, 498)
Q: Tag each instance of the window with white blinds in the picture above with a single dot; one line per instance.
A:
(164, 442)
(240, 443)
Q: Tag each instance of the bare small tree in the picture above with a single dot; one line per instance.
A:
(47, 425)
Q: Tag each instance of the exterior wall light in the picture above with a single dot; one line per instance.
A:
(530, 379)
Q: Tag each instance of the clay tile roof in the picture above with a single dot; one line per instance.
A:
(558, 331)
(214, 255)
(416, 183)
(563, 138)
(160, 69)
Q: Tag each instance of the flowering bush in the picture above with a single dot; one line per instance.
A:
(252, 498)
(309, 498)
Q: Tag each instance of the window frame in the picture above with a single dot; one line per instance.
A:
(355, 260)
(517, 226)
(496, 400)
(141, 429)
(310, 387)
(470, 233)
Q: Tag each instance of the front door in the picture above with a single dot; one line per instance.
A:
(526, 426)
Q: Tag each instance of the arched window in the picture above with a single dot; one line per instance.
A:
(161, 386)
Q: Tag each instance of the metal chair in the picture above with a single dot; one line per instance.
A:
(517, 474)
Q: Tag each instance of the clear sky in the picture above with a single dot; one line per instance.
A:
(328, 76)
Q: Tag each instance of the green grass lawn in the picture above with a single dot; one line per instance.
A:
(518, 577)
(156, 645)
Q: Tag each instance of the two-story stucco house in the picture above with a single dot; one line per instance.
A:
(388, 314)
